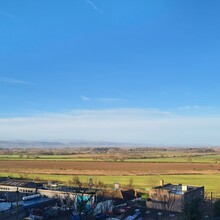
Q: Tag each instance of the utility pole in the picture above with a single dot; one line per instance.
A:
(17, 204)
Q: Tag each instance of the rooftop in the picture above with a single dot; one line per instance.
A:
(176, 188)
(19, 183)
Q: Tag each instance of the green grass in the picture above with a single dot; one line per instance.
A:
(197, 159)
(211, 182)
(45, 157)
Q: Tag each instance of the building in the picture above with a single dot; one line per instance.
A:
(23, 186)
(172, 197)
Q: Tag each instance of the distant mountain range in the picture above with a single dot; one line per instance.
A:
(83, 143)
(62, 144)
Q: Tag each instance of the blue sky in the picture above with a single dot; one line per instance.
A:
(117, 70)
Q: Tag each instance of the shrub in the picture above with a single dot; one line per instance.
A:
(216, 208)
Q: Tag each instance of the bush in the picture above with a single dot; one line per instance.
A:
(76, 181)
(216, 208)
(194, 209)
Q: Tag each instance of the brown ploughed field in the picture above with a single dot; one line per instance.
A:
(106, 168)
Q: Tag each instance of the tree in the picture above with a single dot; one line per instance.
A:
(189, 159)
(131, 183)
(165, 201)
(193, 209)
(68, 199)
(216, 208)
(84, 197)
(101, 184)
(76, 181)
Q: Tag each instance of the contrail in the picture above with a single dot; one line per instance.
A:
(6, 14)
(12, 81)
(94, 6)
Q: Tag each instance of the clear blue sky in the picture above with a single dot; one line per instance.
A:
(151, 60)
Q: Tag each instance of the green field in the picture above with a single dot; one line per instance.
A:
(211, 182)
(45, 157)
(180, 159)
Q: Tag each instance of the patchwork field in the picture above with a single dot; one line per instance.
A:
(141, 167)
(150, 157)
(143, 175)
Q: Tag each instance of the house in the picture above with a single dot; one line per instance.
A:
(172, 197)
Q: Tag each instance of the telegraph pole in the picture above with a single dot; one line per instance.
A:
(17, 193)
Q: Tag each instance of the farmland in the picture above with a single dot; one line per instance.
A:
(211, 182)
(90, 158)
(145, 167)
(106, 168)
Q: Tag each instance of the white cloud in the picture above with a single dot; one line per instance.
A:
(12, 81)
(150, 126)
(188, 107)
(195, 107)
(85, 98)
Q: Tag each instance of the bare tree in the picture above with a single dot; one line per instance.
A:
(193, 210)
(189, 159)
(131, 183)
(76, 181)
(196, 208)
(166, 201)
(68, 199)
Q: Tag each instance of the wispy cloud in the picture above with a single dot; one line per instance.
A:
(6, 14)
(94, 6)
(109, 124)
(194, 107)
(188, 107)
(85, 98)
(107, 99)
(110, 99)
(150, 126)
(12, 81)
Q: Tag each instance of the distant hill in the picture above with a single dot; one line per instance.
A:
(61, 144)
(85, 143)
(29, 144)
